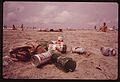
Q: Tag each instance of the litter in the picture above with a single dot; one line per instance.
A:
(58, 45)
(65, 63)
(41, 53)
(39, 59)
(98, 68)
(38, 46)
(78, 50)
(24, 51)
(107, 51)
(21, 53)
(6, 61)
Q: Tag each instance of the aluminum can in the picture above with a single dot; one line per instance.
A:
(40, 59)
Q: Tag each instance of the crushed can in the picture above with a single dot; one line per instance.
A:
(39, 59)
(78, 50)
(107, 51)
(56, 47)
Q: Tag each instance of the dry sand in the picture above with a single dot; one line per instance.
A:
(95, 66)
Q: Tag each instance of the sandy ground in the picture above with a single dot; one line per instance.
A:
(95, 66)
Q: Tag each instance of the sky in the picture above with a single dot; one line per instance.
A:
(60, 14)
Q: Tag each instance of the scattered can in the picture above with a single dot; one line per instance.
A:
(78, 50)
(40, 59)
(107, 51)
(51, 47)
(54, 56)
(56, 47)
(64, 63)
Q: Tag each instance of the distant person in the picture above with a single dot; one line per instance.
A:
(95, 27)
(14, 28)
(104, 27)
(22, 27)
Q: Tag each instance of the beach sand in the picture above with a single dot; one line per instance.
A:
(92, 67)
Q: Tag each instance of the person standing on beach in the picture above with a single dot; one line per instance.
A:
(104, 27)
(22, 27)
(95, 27)
(14, 28)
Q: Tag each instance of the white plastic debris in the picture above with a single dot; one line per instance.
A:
(78, 50)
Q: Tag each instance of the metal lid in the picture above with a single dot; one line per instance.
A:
(35, 60)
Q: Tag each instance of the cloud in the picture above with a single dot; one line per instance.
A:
(12, 12)
(11, 16)
(49, 9)
(59, 17)
(48, 13)
(62, 17)
(92, 23)
(34, 19)
(13, 7)
(20, 8)
(53, 13)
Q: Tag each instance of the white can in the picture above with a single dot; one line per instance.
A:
(54, 42)
(42, 58)
(52, 47)
(78, 50)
